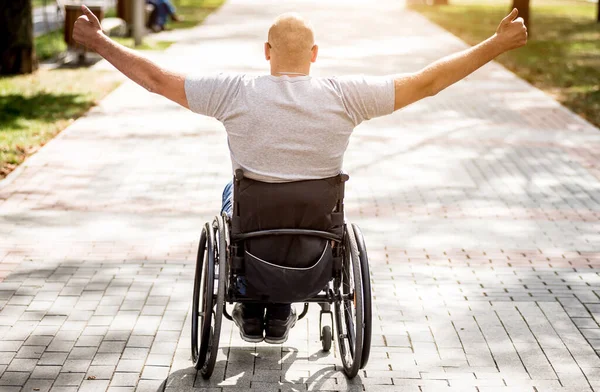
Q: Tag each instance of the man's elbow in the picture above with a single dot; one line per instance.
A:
(431, 88)
(153, 85)
(155, 82)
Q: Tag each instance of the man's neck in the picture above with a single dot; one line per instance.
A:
(290, 71)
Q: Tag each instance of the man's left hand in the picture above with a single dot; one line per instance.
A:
(511, 32)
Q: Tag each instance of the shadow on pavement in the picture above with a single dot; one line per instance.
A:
(245, 370)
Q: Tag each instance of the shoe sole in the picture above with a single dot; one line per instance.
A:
(280, 340)
(247, 338)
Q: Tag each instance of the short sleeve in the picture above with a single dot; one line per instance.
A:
(367, 97)
(212, 95)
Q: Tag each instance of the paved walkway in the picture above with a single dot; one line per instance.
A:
(480, 208)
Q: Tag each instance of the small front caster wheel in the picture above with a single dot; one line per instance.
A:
(326, 337)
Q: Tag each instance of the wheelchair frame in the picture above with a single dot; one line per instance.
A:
(348, 290)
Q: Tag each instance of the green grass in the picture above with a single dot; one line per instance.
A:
(49, 45)
(562, 56)
(193, 11)
(147, 44)
(34, 108)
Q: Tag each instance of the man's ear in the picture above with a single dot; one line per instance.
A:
(267, 51)
(315, 52)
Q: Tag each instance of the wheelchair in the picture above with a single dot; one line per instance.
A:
(272, 240)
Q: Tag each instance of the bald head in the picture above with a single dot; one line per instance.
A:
(291, 41)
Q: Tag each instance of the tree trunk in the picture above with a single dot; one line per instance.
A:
(17, 50)
(440, 2)
(523, 7)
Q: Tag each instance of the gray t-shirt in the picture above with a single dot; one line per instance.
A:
(285, 128)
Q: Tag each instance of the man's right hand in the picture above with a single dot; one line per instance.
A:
(511, 32)
(171, 85)
(87, 30)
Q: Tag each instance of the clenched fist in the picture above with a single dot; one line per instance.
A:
(511, 32)
(87, 30)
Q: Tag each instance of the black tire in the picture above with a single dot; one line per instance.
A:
(201, 301)
(220, 236)
(327, 337)
(349, 317)
(366, 285)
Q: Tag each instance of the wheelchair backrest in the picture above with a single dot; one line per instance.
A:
(308, 204)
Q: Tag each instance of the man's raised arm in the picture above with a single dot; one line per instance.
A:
(144, 72)
(511, 34)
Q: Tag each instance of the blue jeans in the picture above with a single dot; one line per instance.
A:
(164, 9)
(279, 311)
(227, 205)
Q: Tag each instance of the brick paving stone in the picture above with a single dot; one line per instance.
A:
(76, 365)
(45, 372)
(89, 341)
(14, 378)
(111, 347)
(37, 385)
(69, 379)
(130, 365)
(148, 385)
(94, 385)
(52, 358)
(57, 388)
(125, 379)
(140, 341)
(100, 372)
(480, 216)
(155, 372)
(22, 365)
(61, 345)
(106, 359)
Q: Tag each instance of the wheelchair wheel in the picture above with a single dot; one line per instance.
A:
(349, 318)
(327, 337)
(221, 237)
(366, 285)
(204, 267)
(209, 296)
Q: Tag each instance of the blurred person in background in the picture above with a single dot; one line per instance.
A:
(163, 9)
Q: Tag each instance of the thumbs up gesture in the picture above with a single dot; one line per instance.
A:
(87, 30)
(512, 32)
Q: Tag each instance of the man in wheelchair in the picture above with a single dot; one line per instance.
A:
(288, 126)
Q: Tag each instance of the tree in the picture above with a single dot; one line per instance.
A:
(523, 7)
(17, 50)
(598, 17)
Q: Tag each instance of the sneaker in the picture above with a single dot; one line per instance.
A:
(251, 328)
(278, 328)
